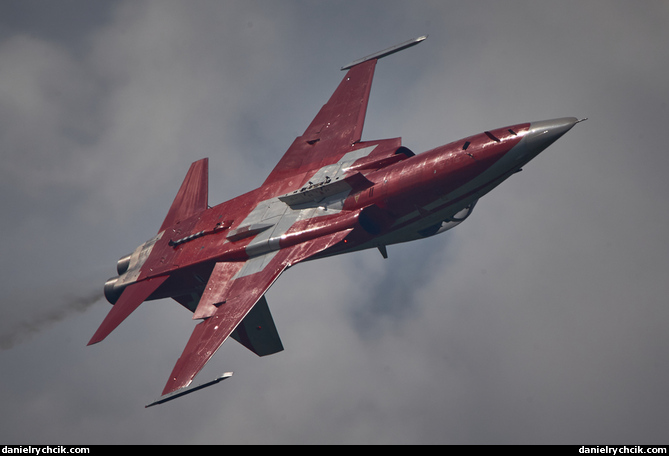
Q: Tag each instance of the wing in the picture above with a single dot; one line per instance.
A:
(231, 301)
(338, 125)
(335, 128)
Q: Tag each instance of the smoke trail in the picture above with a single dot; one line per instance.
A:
(33, 321)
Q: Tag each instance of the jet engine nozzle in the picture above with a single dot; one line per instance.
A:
(112, 290)
(123, 264)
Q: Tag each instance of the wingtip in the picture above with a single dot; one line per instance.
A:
(93, 341)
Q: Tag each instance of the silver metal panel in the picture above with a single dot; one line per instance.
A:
(248, 230)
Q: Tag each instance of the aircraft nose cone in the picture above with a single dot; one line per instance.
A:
(544, 133)
(541, 135)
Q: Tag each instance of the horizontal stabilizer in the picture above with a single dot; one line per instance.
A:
(130, 299)
(192, 196)
(257, 331)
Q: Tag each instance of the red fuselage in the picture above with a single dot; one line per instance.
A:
(404, 197)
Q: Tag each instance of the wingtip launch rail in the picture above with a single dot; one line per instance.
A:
(386, 52)
(184, 391)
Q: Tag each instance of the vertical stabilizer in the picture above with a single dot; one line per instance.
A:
(257, 331)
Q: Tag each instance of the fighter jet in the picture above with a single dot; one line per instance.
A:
(331, 193)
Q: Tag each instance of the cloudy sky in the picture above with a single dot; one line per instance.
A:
(542, 319)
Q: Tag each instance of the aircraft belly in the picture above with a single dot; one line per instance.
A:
(446, 206)
(412, 230)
